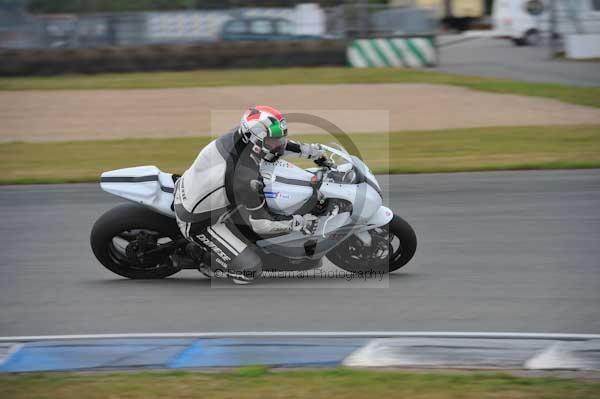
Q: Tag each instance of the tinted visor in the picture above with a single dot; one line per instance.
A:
(275, 145)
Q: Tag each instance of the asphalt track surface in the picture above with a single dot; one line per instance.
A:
(500, 58)
(500, 251)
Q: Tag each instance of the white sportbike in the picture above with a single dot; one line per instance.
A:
(352, 228)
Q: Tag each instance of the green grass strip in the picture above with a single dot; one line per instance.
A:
(477, 149)
(260, 382)
(280, 76)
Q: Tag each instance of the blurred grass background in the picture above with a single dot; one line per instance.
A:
(260, 382)
(589, 96)
(455, 150)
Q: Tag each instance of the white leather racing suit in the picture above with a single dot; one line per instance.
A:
(219, 207)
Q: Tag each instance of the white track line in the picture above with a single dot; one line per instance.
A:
(11, 351)
(315, 334)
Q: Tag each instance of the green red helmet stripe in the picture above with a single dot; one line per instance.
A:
(275, 130)
(253, 114)
(265, 108)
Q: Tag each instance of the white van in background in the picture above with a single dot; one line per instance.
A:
(525, 22)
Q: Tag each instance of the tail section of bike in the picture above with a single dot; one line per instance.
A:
(146, 185)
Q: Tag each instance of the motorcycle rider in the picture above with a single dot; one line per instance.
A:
(219, 203)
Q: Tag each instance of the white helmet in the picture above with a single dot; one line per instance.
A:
(266, 128)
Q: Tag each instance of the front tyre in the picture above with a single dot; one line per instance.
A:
(392, 246)
(123, 239)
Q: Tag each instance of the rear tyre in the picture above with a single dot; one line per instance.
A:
(120, 234)
(392, 247)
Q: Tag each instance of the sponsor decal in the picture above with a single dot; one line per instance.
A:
(214, 248)
(220, 262)
(274, 194)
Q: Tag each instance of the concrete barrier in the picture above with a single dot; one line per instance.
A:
(402, 52)
(582, 46)
(173, 57)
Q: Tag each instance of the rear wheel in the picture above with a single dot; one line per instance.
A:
(135, 242)
(391, 247)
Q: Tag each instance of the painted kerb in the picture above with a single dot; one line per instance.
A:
(412, 52)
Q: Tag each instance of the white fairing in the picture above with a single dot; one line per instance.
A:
(287, 187)
(146, 185)
(381, 217)
(366, 201)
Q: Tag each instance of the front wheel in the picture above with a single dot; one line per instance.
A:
(135, 242)
(391, 247)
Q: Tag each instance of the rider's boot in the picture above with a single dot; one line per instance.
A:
(246, 267)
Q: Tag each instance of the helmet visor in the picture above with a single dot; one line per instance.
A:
(275, 145)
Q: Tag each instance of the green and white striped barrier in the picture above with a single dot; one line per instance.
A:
(417, 52)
